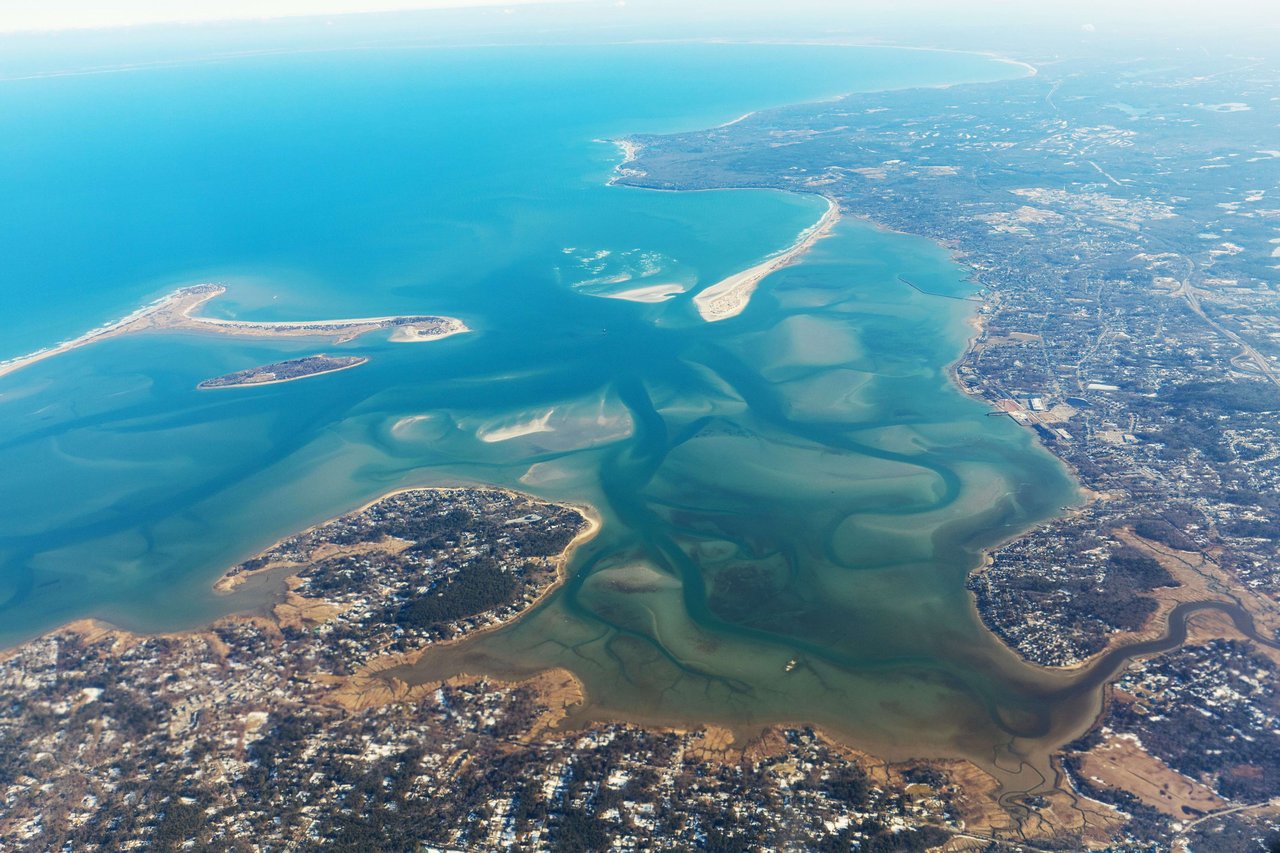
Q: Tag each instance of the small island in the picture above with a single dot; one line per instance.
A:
(284, 371)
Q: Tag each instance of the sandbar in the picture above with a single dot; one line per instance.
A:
(174, 312)
(532, 426)
(730, 296)
(650, 293)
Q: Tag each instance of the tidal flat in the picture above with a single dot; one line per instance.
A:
(789, 522)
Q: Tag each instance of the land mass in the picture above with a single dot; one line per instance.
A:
(282, 730)
(175, 313)
(284, 371)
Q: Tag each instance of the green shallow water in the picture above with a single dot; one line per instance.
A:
(788, 530)
(791, 498)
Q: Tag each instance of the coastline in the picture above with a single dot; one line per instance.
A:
(369, 685)
(1195, 590)
(230, 580)
(103, 332)
(730, 296)
(174, 312)
(593, 525)
(411, 334)
(994, 56)
(1194, 587)
(711, 309)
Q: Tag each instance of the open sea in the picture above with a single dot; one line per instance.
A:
(791, 498)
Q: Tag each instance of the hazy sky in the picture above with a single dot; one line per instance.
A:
(1254, 17)
(68, 14)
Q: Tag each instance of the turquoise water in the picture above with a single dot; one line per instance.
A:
(799, 484)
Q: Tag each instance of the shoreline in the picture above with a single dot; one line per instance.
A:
(730, 296)
(1169, 601)
(107, 330)
(229, 56)
(373, 668)
(994, 56)
(1123, 648)
(173, 312)
(412, 335)
(230, 580)
(593, 526)
(977, 322)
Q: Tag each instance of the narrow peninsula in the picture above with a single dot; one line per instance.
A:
(176, 312)
(730, 296)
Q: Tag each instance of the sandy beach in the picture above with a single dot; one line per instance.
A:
(412, 334)
(730, 296)
(629, 150)
(183, 300)
(174, 312)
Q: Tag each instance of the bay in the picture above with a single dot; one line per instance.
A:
(791, 498)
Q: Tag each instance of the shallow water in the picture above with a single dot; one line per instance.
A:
(788, 530)
(791, 498)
